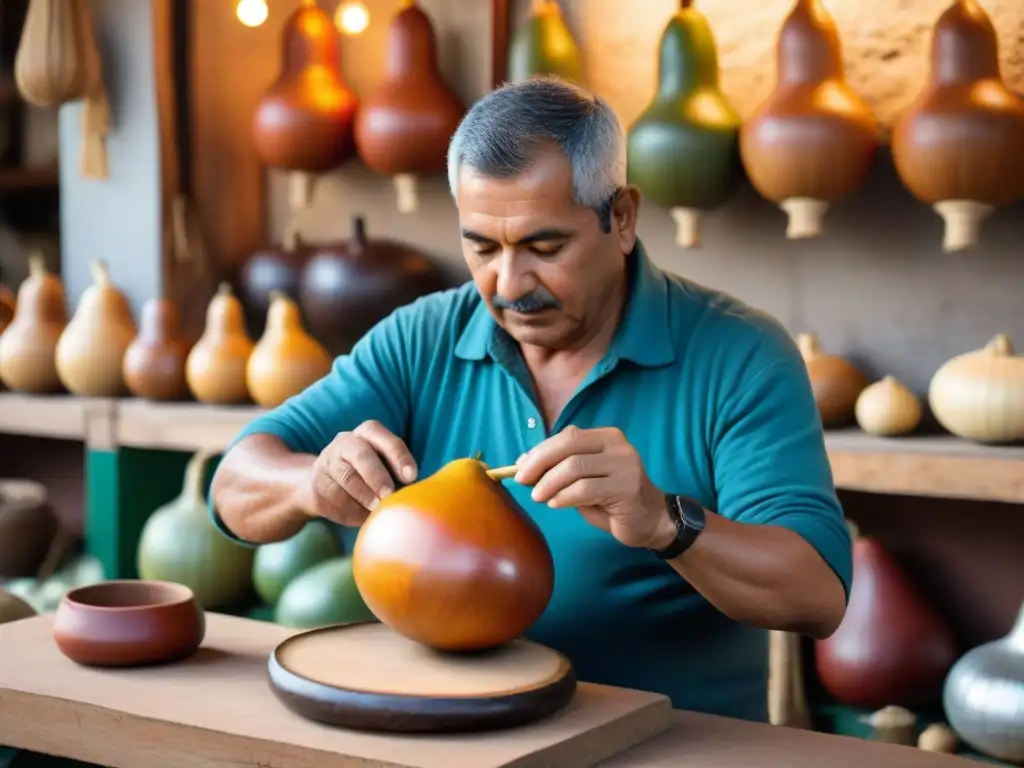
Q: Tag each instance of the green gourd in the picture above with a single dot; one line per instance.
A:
(544, 46)
(180, 543)
(277, 564)
(322, 595)
(683, 150)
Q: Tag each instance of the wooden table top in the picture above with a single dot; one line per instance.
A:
(216, 711)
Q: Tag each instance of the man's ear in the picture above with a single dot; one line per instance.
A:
(624, 216)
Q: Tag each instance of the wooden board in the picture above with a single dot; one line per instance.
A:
(216, 710)
(368, 677)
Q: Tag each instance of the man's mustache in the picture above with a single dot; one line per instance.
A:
(535, 301)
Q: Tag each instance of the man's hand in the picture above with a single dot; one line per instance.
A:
(600, 473)
(350, 477)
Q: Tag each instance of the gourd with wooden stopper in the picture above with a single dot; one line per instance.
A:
(888, 408)
(892, 647)
(404, 126)
(959, 146)
(286, 359)
(303, 122)
(28, 346)
(50, 67)
(811, 143)
(683, 150)
(979, 395)
(453, 562)
(836, 382)
(154, 363)
(180, 543)
(90, 353)
(543, 45)
(215, 368)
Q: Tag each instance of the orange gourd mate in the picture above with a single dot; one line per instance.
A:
(959, 146)
(812, 142)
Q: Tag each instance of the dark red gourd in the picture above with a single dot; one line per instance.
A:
(271, 268)
(404, 126)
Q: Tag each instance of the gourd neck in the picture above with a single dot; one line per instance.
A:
(809, 50)
(412, 49)
(195, 472)
(310, 39)
(964, 46)
(687, 59)
(1015, 639)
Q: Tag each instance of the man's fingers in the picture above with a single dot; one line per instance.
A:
(588, 492)
(571, 441)
(568, 471)
(339, 505)
(391, 447)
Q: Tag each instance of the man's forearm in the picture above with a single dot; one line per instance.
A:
(255, 488)
(764, 575)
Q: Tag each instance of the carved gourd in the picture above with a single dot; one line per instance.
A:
(683, 151)
(404, 126)
(959, 146)
(812, 141)
(303, 123)
(543, 45)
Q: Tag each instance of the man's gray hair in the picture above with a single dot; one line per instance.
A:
(502, 133)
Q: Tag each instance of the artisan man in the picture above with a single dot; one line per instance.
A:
(674, 457)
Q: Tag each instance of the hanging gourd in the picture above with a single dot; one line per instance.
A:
(50, 67)
(543, 45)
(683, 151)
(979, 395)
(811, 143)
(180, 543)
(959, 146)
(404, 126)
(303, 122)
(28, 345)
(90, 353)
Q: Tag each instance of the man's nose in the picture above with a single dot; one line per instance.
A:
(514, 279)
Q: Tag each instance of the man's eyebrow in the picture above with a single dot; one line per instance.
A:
(538, 236)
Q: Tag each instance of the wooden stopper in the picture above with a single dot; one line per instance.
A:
(963, 221)
(687, 226)
(805, 217)
(300, 190)
(405, 189)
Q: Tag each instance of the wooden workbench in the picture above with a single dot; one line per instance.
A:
(216, 711)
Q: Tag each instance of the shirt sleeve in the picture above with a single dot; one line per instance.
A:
(369, 383)
(770, 462)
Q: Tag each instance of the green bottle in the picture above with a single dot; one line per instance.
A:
(683, 150)
(544, 46)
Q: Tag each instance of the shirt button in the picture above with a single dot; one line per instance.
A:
(531, 422)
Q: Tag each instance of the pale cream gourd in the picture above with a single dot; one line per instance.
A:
(51, 67)
(29, 343)
(91, 349)
(888, 408)
(979, 395)
(286, 359)
(215, 368)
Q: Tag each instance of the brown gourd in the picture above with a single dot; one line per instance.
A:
(286, 359)
(403, 127)
(892, 647)
(154, 363)
(272, 268)
(303, 122)
(836, 382)
(812, 141)
(90, 353)
(28, 346)
(959, 146)
(50, 67)
(215, 367)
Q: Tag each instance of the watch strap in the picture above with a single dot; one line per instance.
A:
(689, 518)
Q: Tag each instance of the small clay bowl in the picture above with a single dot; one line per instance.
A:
(129, 623)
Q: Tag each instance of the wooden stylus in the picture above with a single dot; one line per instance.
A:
(502, 473)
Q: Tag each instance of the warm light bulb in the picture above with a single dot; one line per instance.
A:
(351, 18)
(252, 13)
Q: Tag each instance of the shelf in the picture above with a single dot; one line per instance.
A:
(941, 465)
(935, 465)
(14, 180)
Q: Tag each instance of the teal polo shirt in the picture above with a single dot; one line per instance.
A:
(713, 395)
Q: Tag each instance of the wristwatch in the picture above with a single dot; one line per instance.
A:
(689, 517)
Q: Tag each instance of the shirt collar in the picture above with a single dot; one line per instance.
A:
(643, 337)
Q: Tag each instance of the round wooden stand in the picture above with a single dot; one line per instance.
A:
(365, 676)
